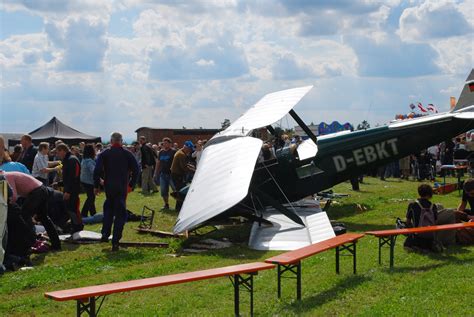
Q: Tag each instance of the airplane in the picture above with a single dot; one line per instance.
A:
(230, 179)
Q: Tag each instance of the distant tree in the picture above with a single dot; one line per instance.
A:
(225, 124)
(364, 125)
(184, 128)
(290, 132)
(278, 131)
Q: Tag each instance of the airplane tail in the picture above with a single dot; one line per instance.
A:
(466, 98)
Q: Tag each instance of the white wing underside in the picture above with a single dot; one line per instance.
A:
(221, 181)
(268, 110)
(225, 169)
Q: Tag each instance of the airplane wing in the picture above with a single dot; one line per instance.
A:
(221, 181)
(269, 109)
(225, 169)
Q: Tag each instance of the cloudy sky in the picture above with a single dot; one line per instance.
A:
(102, 65)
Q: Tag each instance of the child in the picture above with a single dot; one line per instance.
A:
(41, 165)
(422, 213)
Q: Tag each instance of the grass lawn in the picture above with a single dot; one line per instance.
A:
(441, 284)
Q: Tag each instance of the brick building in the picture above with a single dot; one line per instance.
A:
(155, 135)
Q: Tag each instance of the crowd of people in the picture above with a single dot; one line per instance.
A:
(44, 184)
(428, 163)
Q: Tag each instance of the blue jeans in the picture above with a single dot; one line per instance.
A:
(165, 183)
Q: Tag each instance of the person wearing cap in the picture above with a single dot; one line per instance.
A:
(179, 169)
(119, 170)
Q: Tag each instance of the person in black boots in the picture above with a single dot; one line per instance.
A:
(119, 170)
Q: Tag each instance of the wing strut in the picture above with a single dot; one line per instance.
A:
(275, 204)
(303, 126)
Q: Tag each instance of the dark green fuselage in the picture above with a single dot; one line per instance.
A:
(342, 157)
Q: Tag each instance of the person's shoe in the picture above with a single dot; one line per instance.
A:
(104, 239)
(165, 208)
(115, 247)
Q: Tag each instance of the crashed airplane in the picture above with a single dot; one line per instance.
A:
(229, 179)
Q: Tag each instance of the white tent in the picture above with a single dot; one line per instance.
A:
(3, 218)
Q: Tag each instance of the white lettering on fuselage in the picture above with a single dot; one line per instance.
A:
(367, 154)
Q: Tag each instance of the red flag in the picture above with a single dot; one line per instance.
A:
(422, 109)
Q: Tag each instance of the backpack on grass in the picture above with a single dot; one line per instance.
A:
(426, 219)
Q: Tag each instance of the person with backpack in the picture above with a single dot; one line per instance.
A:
(422, 213)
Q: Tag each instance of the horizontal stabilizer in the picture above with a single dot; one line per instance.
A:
(221, 181)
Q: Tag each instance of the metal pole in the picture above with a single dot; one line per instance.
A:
(392, 247)
(236, 295)
(251, 295)
(303, 126)
(354, 255)
(92, 307)
(298, 281)
(380, 250)
(279, 281)
(337, 260)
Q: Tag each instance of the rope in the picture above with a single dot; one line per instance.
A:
(279, 188)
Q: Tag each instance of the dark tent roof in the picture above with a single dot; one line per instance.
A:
(55, 130)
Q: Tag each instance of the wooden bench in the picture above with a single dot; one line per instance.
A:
(291, 261)
(388, 237)
(86, 297)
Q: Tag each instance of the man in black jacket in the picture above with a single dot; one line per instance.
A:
(119, 170)
(72, 184)
(28, 153)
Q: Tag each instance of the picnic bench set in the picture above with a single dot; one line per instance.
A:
(241, 275)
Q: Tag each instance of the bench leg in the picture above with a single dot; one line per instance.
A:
(247, 283)
(390, 240)
(392, 250)
(296, 270)
(88, 306)
(351, 248)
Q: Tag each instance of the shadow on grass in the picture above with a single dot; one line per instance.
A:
(448, 260)
(447, 256)
(122, 255)
(347, 210)
(237, 234)
(362, 227)
(334, 293)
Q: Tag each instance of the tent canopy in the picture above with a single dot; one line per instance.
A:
(55, 130)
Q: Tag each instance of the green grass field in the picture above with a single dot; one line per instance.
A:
(435, 284)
